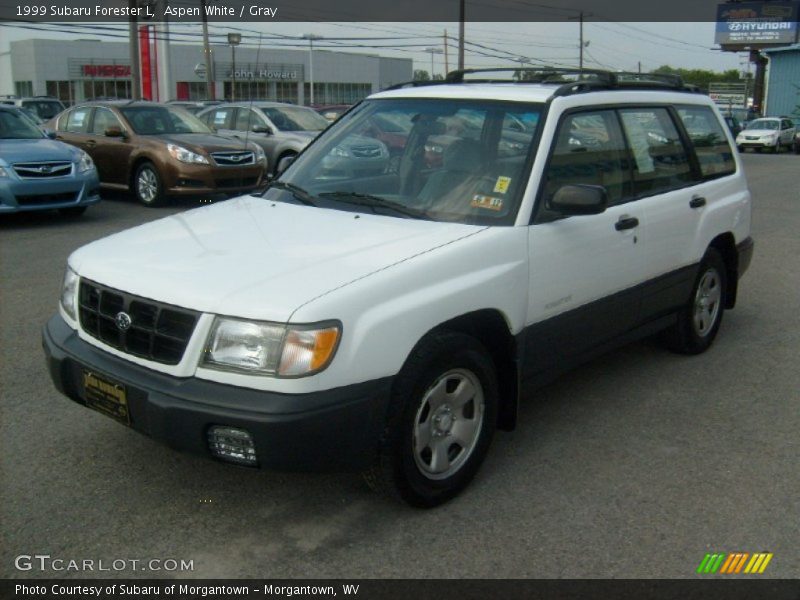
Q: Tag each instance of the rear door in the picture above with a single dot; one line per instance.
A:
(73, 126)
(675, 191)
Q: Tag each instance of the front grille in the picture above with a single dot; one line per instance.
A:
(41, 170)
(236, 182)
(366, 151)
(158, 332)
(39, 199)
(234, 159)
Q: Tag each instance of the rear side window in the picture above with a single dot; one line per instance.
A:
(221, 118)
(711, 146)
(76, 121)
(46, 109)
(589, 149)
(660, 161)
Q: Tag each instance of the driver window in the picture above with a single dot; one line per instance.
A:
(247, 119)
(588, 149)
(104, 119)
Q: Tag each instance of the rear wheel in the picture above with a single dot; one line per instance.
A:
(699, 321)
(147, 185)
(444, 409)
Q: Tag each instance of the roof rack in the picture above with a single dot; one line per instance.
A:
(573, 81)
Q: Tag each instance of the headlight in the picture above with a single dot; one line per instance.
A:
(68, 292)
(3, 172)
(85, 163)
(270, 348)
(341, 152)
(259, 152)
(182, 154)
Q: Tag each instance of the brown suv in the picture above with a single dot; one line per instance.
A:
(157, 150)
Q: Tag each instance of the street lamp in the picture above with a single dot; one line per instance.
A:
(433, 51)
(311, 37)
(234, 39)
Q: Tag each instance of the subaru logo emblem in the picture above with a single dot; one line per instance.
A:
(45, 169)
(123, 321)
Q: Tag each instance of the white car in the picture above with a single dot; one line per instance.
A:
(391, 322)
(772, 133)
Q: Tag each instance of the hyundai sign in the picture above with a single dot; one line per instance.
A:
(756, 23)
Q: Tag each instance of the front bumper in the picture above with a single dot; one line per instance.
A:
(186, 179)
(336, 429)
(755, 144)
(22, 195)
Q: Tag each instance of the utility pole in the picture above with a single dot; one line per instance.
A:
(210, 91)
(579, 18)
(311, 37)
(433, 51)
(461, 13)
(133, 47)
(446, 60)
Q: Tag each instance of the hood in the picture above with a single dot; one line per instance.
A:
(40, 149)
(210, 142)
(254, 258)
(302, 137)
(759, 132)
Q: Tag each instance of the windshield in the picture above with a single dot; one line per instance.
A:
(765, 124)
(296, 119)
(158, 120)
(14, 125)
(463, 161)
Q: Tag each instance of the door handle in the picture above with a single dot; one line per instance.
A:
(626, 222)
(697, 202)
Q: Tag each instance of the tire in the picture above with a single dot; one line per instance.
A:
(436, 403)
(72, 212)
(147, 185)
(699, 321)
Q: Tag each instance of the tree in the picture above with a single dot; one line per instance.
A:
(701, 77)
(421, 75)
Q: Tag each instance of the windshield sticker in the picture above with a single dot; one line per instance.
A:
(501, 187)
(486, 202)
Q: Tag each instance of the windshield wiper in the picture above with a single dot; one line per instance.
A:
(299, 193)
(374, 202)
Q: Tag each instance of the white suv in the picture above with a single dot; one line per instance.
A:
(391, 322)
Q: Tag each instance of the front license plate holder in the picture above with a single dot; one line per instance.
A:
(106, 396)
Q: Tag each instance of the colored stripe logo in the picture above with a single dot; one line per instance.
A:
(734, 563)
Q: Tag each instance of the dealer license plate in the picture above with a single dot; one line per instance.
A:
(106, 396)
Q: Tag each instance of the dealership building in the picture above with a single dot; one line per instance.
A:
(783, 82)
(83, 69)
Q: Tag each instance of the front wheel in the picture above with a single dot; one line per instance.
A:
(441, 423)
(147, 185)
(699, 321)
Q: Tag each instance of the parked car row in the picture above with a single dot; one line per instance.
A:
(157, 150)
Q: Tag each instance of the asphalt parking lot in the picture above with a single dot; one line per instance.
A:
(634, 465)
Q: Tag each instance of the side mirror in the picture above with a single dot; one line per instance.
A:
(579, 199)
(284, 163)
(49, 133)
(115, 132)
(262, 129)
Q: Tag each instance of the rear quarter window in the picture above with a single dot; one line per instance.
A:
(710, 143)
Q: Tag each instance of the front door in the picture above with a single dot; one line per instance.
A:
(584, 270)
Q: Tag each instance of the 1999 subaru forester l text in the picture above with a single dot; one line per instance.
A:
(390, 322)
